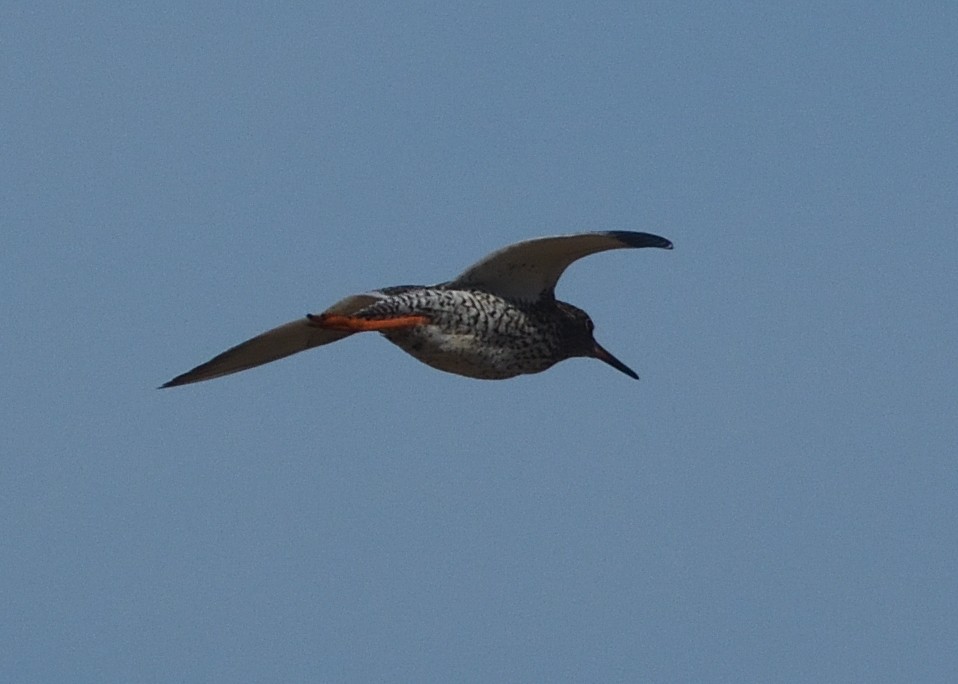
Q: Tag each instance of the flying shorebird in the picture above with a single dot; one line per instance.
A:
(497, 319)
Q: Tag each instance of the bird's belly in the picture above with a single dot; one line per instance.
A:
(468, 353)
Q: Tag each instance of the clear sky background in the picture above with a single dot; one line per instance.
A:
(775, 500)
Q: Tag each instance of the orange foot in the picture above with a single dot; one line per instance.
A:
(355, 324)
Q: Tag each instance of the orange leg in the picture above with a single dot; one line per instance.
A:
(354, 324)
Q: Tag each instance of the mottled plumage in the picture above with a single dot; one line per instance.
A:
(496, 320)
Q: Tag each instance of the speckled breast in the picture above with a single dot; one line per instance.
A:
(473, 333)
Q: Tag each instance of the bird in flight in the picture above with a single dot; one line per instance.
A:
(499, 318)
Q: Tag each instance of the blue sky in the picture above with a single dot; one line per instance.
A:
(774, 500)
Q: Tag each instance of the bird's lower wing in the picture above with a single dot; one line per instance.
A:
(288, 339)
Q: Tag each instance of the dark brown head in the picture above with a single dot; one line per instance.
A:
(577, 340)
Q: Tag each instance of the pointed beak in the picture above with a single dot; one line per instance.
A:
(600, 353)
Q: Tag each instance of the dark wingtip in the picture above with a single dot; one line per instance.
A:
(633, 239)
(182, 379)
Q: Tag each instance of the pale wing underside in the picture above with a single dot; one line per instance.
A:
(528, 271)
(291, 338)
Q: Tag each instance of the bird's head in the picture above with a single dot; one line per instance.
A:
(577, 329)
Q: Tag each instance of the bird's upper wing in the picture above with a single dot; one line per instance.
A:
(293, 337)
(528, 271)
